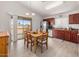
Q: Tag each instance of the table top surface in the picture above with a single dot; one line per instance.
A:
(36, 35)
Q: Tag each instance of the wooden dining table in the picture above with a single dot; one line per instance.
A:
(36, 36)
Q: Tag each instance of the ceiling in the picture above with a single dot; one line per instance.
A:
(39, 7)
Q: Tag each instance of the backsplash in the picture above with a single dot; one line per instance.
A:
(63, 22)
(75, 26)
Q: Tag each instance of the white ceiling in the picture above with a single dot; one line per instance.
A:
(39, 7)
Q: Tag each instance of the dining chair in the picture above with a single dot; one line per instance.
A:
(43, 40)
(30, 40)
(25, 37)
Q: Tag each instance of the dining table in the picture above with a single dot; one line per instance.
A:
(36, 36)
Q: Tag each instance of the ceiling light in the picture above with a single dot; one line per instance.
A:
(33, 14)
(27, 14)
(54, 4)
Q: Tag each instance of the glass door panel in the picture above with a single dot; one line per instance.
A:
(22, 25)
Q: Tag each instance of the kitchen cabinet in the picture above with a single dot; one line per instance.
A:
(73, 36)
(68, 35)
(51, 21)
(74, 19)
(78, 38)
(58, 34)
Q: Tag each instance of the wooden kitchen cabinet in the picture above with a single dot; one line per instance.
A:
(71, 21)
(78, 38)
(73, 36)
(4, 44)
(54, 33)
(68, 35)
(50, 21)
(61, 34)
(58, 34)
(74, 19)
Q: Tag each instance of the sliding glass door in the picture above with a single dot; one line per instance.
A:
(23, 24)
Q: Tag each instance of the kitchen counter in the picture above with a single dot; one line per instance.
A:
(78, 34)
(66, 34)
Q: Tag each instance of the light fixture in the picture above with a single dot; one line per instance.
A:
(27, 14)
(33, 14)
(54, 4)
(30, 14)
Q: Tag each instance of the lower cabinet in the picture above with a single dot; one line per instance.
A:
(73, 37)
(58, 34)
(78, 38)
(66, 35)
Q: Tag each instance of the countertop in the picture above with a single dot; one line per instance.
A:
(78, 34)
(3, 34)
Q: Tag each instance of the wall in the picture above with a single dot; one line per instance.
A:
(11, 8)
(14, 8)
(36, 22)
(63, 21)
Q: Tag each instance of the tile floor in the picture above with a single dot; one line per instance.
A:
(56, 48)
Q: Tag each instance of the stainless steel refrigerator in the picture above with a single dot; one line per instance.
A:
(46, 27)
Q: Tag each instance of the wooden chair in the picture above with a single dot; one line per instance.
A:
(30, 40)
(43, 40)
(25, 37)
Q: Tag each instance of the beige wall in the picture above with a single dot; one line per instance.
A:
(14, 8)
(8, 9)
(36, 22)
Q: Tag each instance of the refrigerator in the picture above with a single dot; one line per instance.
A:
(46, 27)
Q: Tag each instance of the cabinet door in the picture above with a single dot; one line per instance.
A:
(73, 37)
(78, 38)
(74, 19)
(67, 35)
(58, 34)
(61, 34)
(71, 21)
(54, 33)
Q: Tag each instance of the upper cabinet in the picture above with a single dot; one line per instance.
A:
(74, 19)
(50, 20)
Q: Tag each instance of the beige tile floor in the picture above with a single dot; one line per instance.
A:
(56, 48)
